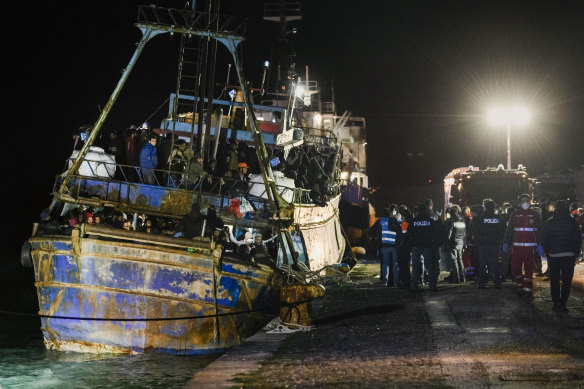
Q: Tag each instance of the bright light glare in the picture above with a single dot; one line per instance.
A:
(517, 115)
(299, 91)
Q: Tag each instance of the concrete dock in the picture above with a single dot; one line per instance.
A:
(368, 335)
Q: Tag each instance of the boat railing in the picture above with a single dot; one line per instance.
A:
(188, 20)
(120, 234)
(94, 177)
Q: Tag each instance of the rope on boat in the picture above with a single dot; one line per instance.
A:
(272, 307)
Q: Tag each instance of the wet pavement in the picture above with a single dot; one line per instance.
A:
(368, 335)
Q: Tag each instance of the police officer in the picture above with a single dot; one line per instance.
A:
(523, 234)
(423, 235)
(488, 232)
(455, 240)
(403, 248)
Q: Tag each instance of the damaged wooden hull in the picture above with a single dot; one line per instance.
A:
(115, 296)
(321, 228)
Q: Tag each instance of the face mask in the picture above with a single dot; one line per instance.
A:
(399, 218)
(525, 206)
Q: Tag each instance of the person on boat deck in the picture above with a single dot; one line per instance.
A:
(98, 220)
(149, 160)
(178, 156)
(258, 251)
(117, 219)
(48, 225)
(89, 218)
(191, 224)
(143, 135)
(244, 245)
(231, 159)
(213, 222)
(130, 145)
(115, 145)
(127, 225)
(196, 171)
(149, 227)
(77, 219)
(164, 149)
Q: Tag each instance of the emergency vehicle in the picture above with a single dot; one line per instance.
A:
(468, 186)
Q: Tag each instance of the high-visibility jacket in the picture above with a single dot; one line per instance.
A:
(388, 231)
(524, 228)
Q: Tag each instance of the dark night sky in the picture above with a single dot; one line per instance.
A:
(422, 73)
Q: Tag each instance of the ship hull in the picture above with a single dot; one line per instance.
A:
(108, 296)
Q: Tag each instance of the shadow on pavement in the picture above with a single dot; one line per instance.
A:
(373, 310)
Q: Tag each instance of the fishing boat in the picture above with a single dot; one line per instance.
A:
(107, 289)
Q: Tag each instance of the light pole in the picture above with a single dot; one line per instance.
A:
(517, 115)
(508, 145)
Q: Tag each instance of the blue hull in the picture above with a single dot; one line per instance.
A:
(113, 296)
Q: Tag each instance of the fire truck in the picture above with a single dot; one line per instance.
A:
(467, 186)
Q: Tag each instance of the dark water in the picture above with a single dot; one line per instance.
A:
(26, 363)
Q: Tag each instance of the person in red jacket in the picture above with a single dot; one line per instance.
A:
(523, 234)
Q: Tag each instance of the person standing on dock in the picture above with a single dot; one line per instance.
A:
(488, 230)
(524, 234)
(561, 243)
(455, 240)
(388, 232)
(149, 160)
(423, 234)
(403, 249)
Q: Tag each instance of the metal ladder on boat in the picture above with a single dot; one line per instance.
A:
(189, 78)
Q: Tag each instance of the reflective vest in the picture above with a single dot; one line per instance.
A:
(387, 235)
(525, 228)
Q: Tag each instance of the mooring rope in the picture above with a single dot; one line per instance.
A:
(275, 306)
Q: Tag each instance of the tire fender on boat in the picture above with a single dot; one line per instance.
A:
(25, 256)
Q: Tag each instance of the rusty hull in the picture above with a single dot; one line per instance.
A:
(120, 281)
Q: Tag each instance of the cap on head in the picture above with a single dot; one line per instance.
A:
(489, 205)
(523, 196)
(243, 164)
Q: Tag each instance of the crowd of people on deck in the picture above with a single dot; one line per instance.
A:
(485, 243)
(150, 157)
(166, 159)
(246, 243)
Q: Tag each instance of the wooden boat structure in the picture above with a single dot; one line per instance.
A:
(104, 289)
